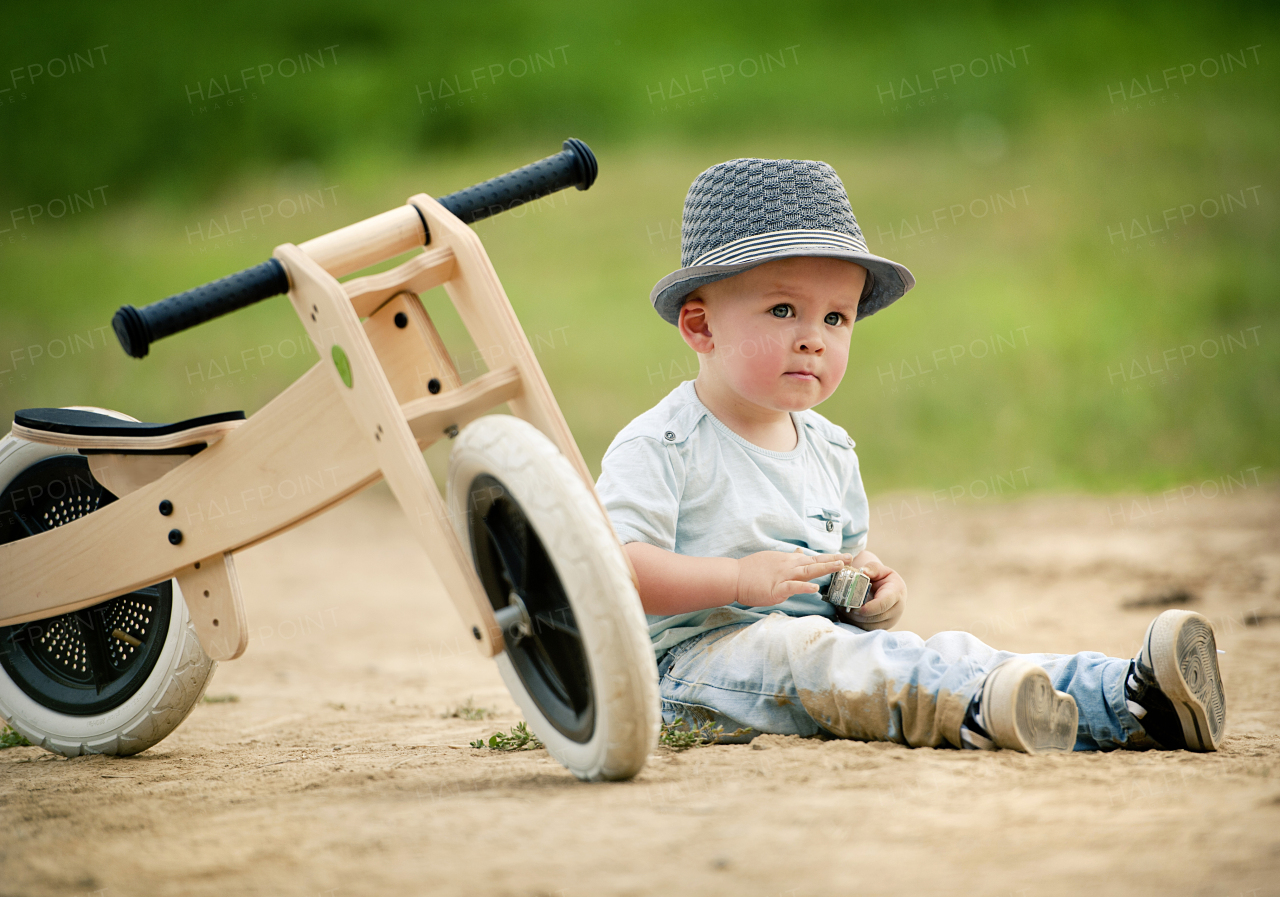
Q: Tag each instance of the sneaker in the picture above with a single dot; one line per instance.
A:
(1174, 687)
(1018, 709)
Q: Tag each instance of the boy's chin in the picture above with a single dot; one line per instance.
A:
(798, 404)
(795, 397)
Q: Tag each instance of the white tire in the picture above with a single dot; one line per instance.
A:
(592, 571)
(175, 684)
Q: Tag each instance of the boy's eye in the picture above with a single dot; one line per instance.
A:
(781, 311)
(835, 319)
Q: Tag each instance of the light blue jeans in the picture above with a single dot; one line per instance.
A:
(808, 675)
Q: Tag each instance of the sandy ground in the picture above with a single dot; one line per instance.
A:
(334, 774)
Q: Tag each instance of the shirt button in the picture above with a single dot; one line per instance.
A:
(830, 526)
(669, 436)
(849, 439)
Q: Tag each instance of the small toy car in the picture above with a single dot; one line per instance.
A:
(848, 588)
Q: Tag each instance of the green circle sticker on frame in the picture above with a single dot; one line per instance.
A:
(341, 363)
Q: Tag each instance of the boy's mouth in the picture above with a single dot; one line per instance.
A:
(801, 375)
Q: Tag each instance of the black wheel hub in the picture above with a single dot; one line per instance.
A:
(547, 650)
(94, 659)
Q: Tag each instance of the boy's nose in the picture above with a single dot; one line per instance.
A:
(809, 338)
(811, 344)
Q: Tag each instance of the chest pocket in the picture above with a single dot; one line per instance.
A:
(825, 528)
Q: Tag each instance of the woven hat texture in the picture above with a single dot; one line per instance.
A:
(747, 197)
(746, 212)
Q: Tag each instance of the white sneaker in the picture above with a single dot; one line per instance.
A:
(1174, 687)
(1018, 709)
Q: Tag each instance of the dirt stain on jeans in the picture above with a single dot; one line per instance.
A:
(730, 626)
(722, 617)
(817, 635)
(918, 718)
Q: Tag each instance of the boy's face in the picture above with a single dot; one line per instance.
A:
(778, 334)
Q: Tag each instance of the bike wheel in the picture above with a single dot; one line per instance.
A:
(577, 657)
(114, 678)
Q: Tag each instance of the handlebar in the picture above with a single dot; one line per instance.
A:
(138, 328)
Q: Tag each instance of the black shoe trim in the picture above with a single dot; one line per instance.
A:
(1161, 722)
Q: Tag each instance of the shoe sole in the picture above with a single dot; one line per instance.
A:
(1184, 656)
(1023, 712)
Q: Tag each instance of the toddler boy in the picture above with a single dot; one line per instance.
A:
(736, 502)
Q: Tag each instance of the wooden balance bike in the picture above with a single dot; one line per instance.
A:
(118, 589)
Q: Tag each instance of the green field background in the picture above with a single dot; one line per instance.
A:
(1074, 326)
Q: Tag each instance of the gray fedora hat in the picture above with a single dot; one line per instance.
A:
(745, 212)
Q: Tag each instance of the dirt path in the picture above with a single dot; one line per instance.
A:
(334, 774)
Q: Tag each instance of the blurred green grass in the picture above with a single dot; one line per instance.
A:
(1026, 318)
(1067, 311)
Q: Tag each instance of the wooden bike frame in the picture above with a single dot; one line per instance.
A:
(363, 412)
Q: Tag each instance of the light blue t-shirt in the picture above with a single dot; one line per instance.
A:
(678, 478)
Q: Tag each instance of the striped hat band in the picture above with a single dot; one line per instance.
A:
(764, 246)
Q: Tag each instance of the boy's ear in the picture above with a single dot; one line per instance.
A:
(694, 326)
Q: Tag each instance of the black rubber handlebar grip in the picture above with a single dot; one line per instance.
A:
(138, 328)
(574, 166)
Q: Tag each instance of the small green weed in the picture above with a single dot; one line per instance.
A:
(520, 739)
(9, 738)
(469, 711)
(680, 737)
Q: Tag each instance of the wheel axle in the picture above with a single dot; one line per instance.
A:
(514, 619)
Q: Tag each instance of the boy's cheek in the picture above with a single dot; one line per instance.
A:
(758, 381)
(835, 372)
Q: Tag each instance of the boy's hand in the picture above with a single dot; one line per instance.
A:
(890, 600)
(771, 577)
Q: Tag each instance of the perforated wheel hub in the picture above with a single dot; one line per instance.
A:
(546, 648)
(93, 659)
